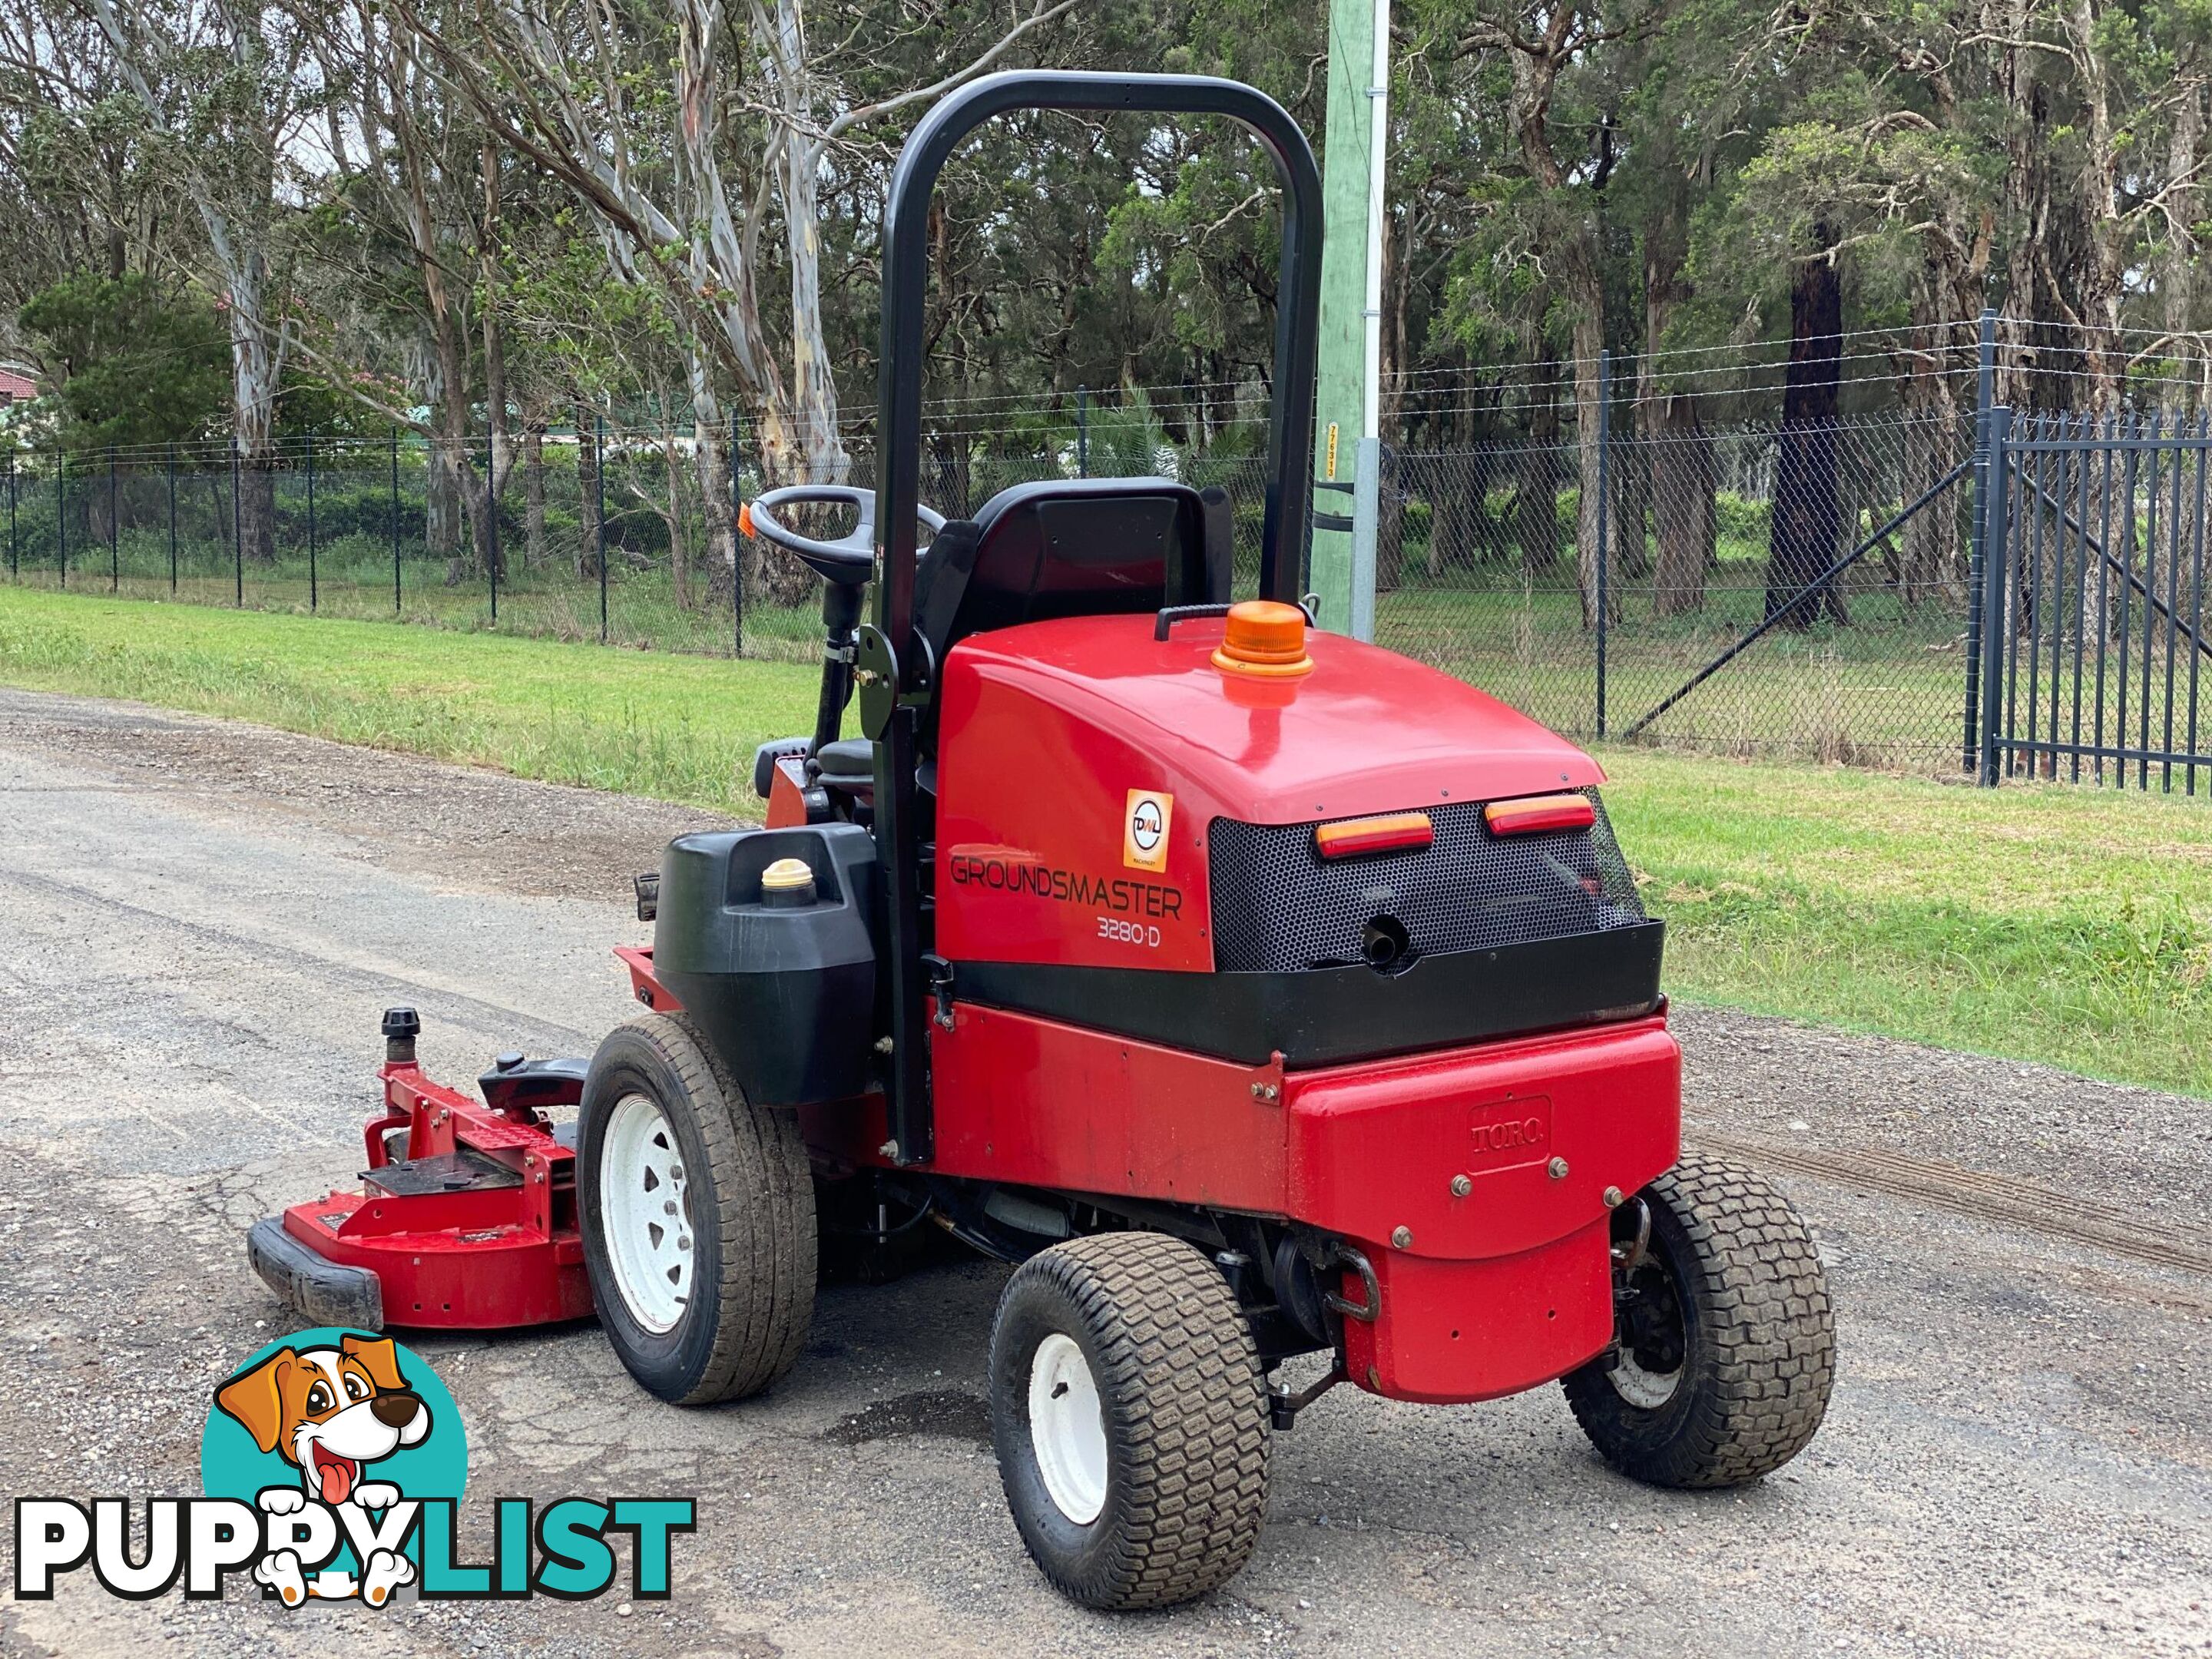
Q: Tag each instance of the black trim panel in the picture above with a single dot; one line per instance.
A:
(1326, 1016)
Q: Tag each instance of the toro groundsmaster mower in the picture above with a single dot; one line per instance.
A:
(1255, 992)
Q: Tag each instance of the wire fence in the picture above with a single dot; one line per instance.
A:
(1768, 587)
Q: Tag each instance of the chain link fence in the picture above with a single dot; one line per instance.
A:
(1712, 536)
(1770, 587)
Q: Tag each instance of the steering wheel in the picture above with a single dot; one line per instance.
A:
(850, 560)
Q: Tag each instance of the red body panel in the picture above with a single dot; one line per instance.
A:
(1047, 729)
(483, 1259)
(1508, 1285)
(1042, 1104)
(1494, 1291)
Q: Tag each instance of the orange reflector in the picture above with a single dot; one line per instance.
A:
(1392, 832)
(1532, 814)
(745, 521)
(1264, 637)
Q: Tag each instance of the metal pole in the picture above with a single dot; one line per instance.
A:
(738, 561)
(1604, 519)
(237, 533)
(14, 555)
(1995, 580)
(1082, 433)
(1985, 381)
(173, 521)
(61, 515)
(314, 594)
(395, 520)
(599, 484)
(1367, 514)
(114, 529)
(491, 520)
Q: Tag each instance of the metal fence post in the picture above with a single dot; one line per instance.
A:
(114, 529)
(395, 520)
(173, 521)
(61, 515)
(315, 586)
(1082, 433)
(737, 558)
(1604, 519)
(1996, 579)
(14, 555)
(1985, 381)
(237, 534)
(600, 484)
(491, 519)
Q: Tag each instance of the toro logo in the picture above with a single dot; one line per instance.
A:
(1145, 830)
(1507, 1133)
(334, 1463)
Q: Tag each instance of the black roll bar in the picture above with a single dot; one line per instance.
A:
(900, 352)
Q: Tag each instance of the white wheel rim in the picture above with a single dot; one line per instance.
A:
(644, 1208)
(1646, 1390)
(1066, 1429)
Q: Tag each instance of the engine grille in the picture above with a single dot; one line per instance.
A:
(1278, 907)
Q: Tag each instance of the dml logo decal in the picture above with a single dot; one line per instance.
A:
(334, 1463)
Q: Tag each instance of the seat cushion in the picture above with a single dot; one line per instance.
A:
(848, 763)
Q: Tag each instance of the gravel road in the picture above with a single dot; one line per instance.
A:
(204, 920)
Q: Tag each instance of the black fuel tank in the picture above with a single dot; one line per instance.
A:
(786, 993)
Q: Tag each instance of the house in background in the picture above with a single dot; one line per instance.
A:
(15, 387)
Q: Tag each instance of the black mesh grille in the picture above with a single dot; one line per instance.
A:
(1279, 908)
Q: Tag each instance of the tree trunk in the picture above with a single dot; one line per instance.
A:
(1683, 511)
(679, 544)
(1535, 508)
(533, 493)
(588, 491)
(441, 501)
(1586, 288)
(1807, 518)
(710, 456)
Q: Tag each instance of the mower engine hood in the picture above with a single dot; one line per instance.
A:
(1367, 731)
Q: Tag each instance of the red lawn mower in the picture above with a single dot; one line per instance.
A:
(1255, 992)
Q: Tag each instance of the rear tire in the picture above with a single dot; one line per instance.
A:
(697, 1213)
(1727, 1350)
(1130, 1419)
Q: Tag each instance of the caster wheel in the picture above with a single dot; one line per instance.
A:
(1727, 1339)
(697, 1213)
(1130, 1419)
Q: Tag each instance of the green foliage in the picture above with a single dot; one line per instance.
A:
(137, 364)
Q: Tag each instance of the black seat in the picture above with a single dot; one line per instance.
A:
(1075, 547)
(848, 765)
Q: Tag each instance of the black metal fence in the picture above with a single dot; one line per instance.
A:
(2091, 648)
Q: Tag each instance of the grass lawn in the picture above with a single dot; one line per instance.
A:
(2046, 922)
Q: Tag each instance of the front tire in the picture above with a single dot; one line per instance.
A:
(697, 1213)
(1727, 1347)
(1130, 1420)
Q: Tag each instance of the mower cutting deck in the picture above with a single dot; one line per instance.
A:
(1257, 992)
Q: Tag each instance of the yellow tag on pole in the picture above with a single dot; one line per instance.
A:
(1331, 452)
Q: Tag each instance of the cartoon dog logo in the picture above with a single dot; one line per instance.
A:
(329, 1413)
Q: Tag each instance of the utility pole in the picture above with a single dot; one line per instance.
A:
(1347, 405)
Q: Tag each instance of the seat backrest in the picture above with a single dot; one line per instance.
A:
(1075, 547)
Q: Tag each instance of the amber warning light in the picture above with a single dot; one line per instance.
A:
(1532, 814)
(1264, 638)
(1392, 832)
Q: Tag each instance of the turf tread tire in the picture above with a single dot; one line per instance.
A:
(1762, 1338)
(1186, 1415)
(762, 1212)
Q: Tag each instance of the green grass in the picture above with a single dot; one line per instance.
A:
(681, 727)
(2046, 921)
(2041, 922)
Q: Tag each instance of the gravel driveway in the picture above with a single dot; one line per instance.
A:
(204, 919)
